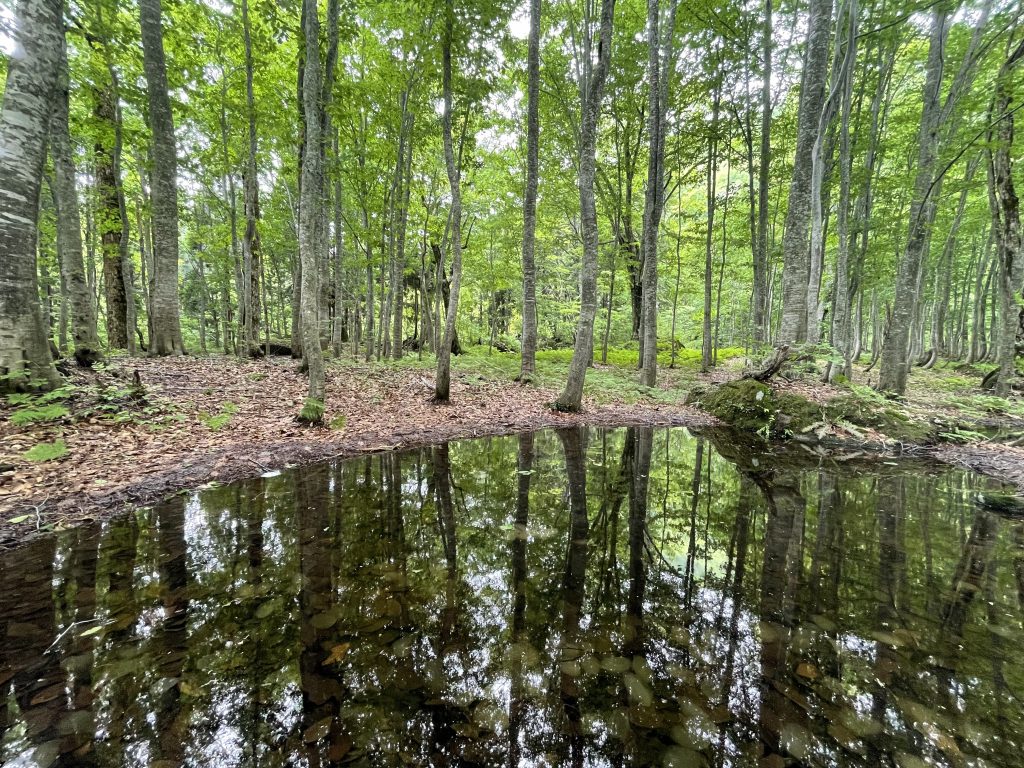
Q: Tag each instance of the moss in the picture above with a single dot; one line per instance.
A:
(884, 418)
(312, 411)
(753, 407)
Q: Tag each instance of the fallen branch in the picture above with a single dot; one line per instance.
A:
(771, 367)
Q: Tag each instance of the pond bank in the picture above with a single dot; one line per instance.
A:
(197, 420)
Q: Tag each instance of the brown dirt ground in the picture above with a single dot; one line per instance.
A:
(113, 466)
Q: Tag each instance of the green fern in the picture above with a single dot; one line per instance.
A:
(45, 451)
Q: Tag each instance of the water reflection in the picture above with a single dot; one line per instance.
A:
(579, 598)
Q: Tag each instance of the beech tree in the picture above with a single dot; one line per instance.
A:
(165, 322)
(25, 113)
(806, 173)
(591, 91)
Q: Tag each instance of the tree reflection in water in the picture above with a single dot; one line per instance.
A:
(602, 598)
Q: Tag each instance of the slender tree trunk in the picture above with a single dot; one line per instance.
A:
(442, 382)
(69, 226)
(843, 296)
(108, 192)
(166, 320)
(895, 362)
(1006, 221)
(529, 345)
(795, 251)
(310, 205)
(250, 298)
(398, 275)
(591, 91)
(761, 302)
(712, 167)
(25, 114)
(654, 199)
(721, 268)
(338, 330)
(679, 270)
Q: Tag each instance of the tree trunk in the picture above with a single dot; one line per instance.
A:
(250, 298)
(1006, 222)
(442, 382)
(843, 297)
(795, 251)
(166, 320)
(654, 199)
(591, 91)
(69, 226)
(529, 345)
(24, 122)
(311, 212)
(338, 330)
(712, 167)
(762, 307)
(108, 193)
(894, 360)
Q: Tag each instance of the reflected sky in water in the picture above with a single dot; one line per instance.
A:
(628, 597)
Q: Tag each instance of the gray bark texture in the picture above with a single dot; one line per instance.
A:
(250, 299)
(69, 226)
(895, 364)
(654, 199)
(25, 359)
(442, 381)
(760, 299)
(795, 248)
(571, 398)
(310, 205)
(842, 329)
(1006, 222)
(529, 347)
(108, 218)
(166, 317)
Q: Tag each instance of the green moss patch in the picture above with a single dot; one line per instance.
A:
(755, 407)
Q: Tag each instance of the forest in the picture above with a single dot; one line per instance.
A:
(511, 383)
(655, 196)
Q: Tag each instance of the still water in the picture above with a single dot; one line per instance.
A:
(581, 598)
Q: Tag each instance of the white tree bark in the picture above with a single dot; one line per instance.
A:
(529, 347)
(310, 205)
(591, 92)
(442, 381)
(25, 359)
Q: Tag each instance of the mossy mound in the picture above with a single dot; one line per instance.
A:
(887, 419)
(755, 407)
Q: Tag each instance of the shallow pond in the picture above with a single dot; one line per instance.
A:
(584, 597)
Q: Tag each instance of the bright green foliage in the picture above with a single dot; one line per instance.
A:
(312, 411)
(45, 451)
(39, 413)
(221, 418)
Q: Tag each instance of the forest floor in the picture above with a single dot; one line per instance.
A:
(103, 443)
